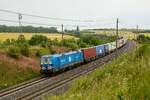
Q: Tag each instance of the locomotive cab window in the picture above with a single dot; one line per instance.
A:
(46, 60)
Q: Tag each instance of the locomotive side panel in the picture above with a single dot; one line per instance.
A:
(69, 59)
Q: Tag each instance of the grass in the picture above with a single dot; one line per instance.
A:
(146, 34)
(126, 78)
(4, 36)
(14, 74)
(127, 34)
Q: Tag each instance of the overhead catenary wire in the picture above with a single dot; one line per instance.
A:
(14, 21)
(52, 18)
(55, 25)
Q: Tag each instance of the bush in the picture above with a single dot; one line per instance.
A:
(90, 39)
(21, 39)
(13, 52)
(81, 44)
(73, 46)
(22, 43)
(25, 50)
(71, 43)
(42, 51)
(143, 39)
(38, 39)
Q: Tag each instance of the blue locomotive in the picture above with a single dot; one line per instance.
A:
(53, 63)
(57, 62)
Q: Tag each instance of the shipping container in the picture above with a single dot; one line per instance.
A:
(89, 54)
(112, 46)
(100, 50)
(106, 48)
(120, 42)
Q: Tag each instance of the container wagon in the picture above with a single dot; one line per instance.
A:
(100, 50)
(89, 54)
(111, 46)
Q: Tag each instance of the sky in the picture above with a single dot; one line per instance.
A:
(103, 12)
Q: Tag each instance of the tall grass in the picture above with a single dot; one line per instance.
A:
(127, 78)
(13, 74)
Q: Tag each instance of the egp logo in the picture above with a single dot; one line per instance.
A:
(100, 51)
(69, 59)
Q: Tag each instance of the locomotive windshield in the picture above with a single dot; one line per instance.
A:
(45, 60)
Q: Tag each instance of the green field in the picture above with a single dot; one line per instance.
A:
(126, 78)
(146, 34)
(126, 34)
(4, 36)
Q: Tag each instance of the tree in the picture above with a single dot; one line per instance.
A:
(28, 29)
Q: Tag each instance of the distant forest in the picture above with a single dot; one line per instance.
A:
(125, 29)
(32, 29)
(28, 29)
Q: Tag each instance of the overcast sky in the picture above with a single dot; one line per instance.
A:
(129, 12)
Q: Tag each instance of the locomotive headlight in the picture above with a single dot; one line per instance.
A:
(49, 67)
(43, 68)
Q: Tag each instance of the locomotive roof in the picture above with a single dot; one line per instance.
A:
(68, 53)
(57, 55)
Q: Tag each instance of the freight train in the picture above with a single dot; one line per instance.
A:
(54, 63)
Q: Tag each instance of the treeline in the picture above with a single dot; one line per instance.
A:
(144, 31)
(27, 29)
(123, 29)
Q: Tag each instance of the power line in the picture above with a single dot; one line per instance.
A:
(13, 21)
(60, 19)
(56, 25)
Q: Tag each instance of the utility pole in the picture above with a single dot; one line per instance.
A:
(20, 25)
(77, 31)
(137, 28)
(117, 22)
(136, 35)
(62, 29)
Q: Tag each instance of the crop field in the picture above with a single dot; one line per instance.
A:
(126, 34)
(4, 36)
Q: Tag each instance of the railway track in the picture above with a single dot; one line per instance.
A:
(21, 86)
(34, 89)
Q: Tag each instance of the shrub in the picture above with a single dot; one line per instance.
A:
(143, 39)
(22, 43)
(42, 51)
(21, 39)
(81, 43)
(90, 39)
(38, 39)
(71, 43)
(14, 52)
(7, 42)
(24, 49)
(73, 46)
